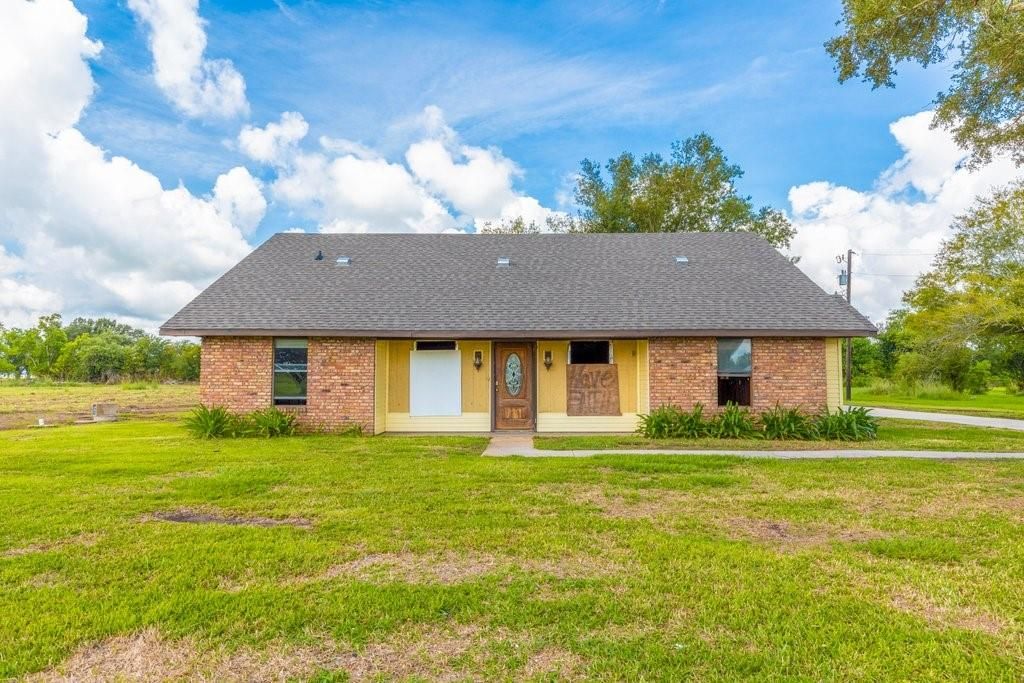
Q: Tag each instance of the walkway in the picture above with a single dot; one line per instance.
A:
(973, 420)
(502, 445)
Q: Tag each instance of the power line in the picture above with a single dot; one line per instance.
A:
(899, 253)
(861, 272)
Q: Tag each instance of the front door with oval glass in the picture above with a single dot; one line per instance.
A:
(513, 385)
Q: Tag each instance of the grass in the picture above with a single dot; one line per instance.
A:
(996, 403)
(327, 557)
(23, 403)
(892, 435)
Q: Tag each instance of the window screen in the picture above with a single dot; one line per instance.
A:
(589, 352)
(734, 366)
(290, 372)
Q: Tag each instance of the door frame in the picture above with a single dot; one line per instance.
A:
(531, 344)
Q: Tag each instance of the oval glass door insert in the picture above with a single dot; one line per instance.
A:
(513, 374)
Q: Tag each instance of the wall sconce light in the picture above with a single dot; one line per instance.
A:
(547, 359)
(478, 359)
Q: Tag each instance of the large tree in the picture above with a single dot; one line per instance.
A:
(984, 105)
(694, 190)
(973, 298)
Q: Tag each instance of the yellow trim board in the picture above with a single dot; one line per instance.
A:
(561, 422)
(833, 373)
(467, 422)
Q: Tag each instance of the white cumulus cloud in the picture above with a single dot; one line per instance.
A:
(88, 233)
(197, 86)
(896, 226)
(349, 187)
(275, 142)
(238, 198)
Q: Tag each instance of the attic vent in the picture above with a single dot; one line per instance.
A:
(344, 260)
(682, 259)
(504, 262)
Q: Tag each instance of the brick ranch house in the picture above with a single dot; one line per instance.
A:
(553, 333)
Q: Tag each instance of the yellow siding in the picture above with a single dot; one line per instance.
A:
(624, 356)
(643, 384)
(551, 383)
(467, 422)
(560, 422)
(380, 387)
(398, 376)
(476, 384)
(833, 373)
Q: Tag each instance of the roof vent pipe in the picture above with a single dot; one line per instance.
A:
(319, 256)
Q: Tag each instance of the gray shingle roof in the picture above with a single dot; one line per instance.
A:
(556, 286)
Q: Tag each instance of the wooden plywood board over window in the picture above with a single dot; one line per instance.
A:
(592, 390)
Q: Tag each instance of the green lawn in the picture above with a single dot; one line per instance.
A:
(892, 435)
(403, 558)
(23, 403)
(996, 403)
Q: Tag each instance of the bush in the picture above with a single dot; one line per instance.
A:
(979, 377)
(669, 422)
(734, 423)
(209, 423)
(271, 422)
(218, 422)
(852, 424)
(659, 424)
(787, 423)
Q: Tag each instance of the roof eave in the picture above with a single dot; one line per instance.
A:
(516, 334)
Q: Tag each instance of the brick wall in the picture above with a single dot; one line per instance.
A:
(787, 370)
(340, 390)
(790, 371)
(683, 371)
(237, 373)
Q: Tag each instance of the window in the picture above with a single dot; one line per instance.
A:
(734, 371)
(590, 352)
(436, 345)
(290, 371)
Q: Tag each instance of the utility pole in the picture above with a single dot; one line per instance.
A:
(849, 340)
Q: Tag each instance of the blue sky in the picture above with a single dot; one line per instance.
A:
(548, 84)
(148, 145)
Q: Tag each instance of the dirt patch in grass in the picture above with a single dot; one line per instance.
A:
(946, 616)
(651, 503)
(552, 661)
(188, 516)
(784, 535)
(148, 656)
(452, 567)
(436, 653)
(83, 540)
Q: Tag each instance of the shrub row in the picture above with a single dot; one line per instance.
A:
(734, 422)
(217, 422)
